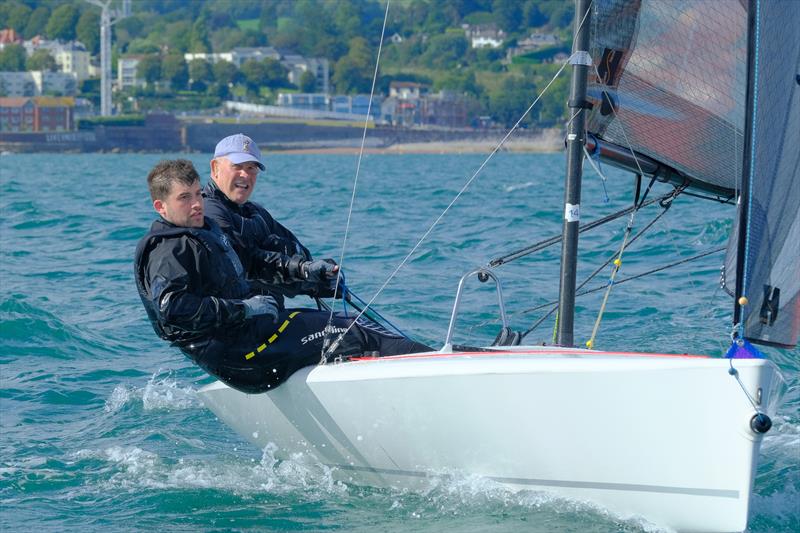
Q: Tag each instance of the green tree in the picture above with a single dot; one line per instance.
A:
(353, 72)
(275, 74)
(307, 82)
(200, 75)
(62, 22)
(508, 14)
(88, 31)
(41, 60)
(149, 68)
(199, 42)
(12, 58)
(175, 71)
(266, 73)
(512, 99)
(177, 36)
(226, 73)
(553, 105)
(37, 22)
(447, 50)
(460, 82)
(253, 72)
(18, 17)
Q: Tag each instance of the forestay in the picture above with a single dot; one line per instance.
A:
(769, 247)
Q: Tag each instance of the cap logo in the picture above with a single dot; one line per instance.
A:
(246, 146)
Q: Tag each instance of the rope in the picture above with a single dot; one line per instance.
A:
(446, 209)
(355, 180)
(617, 265)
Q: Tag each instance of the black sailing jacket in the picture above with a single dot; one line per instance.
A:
(190, 281)
(270, 253)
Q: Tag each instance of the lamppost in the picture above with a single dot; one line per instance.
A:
(108, 17)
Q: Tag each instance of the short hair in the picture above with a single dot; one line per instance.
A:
(166, 173)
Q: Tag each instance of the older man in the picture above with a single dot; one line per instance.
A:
(264, 245)
(193, 288)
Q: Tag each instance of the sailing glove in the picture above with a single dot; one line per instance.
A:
(319, 270)
(261, 305)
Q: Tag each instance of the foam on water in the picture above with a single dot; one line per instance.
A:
(101, 427)
(162, 391)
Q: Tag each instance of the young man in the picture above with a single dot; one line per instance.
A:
(193, 288)
(271, 254)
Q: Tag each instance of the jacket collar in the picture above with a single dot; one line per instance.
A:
(211, 190)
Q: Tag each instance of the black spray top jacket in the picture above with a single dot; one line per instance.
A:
(270, 253)
(190, 280)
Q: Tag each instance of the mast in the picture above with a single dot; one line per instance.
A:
(576, 138)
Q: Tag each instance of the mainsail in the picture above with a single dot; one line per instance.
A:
(673, 87)
(765, 245)
(670, 85)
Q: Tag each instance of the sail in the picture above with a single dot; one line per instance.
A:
(768, 249)
(670, 84)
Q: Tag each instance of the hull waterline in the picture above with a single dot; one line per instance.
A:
(666, 438)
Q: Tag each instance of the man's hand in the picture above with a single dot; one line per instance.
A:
(261, 305)
(319, 270)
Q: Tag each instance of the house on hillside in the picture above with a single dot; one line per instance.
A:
(38, 83)
(71, 57)
(535, 41)
(38, 114)
(295, 64)
(9, 36)
(485, 35)
(126, 72)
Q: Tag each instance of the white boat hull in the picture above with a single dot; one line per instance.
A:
(666, 438)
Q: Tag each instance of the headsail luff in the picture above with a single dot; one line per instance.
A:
(767, 235)
(670, 85)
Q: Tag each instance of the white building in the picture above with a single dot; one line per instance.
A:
(484, 36)
(296, 65)
(211, 58)
(126, 72)
(38, 83)
(237, 56)
(71, 57)
(320, 68)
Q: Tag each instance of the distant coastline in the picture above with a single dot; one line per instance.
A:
(165, 133)
(551, 141)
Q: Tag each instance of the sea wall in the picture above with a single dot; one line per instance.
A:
(164, 133)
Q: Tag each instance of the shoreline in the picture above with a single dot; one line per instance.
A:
(546, 141)
(550, 141)
(422, 149)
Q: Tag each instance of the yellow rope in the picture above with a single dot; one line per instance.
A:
(617, 265)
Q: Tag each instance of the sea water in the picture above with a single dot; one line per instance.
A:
(102, 428)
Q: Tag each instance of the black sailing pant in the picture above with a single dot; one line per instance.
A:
(262, 354)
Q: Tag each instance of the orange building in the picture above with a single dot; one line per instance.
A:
(37, 114)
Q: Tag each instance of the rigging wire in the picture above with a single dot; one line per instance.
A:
(355, 182)
(600, 268)
(554, 303)
(522, 252)
(665, 201)
(446, 209)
